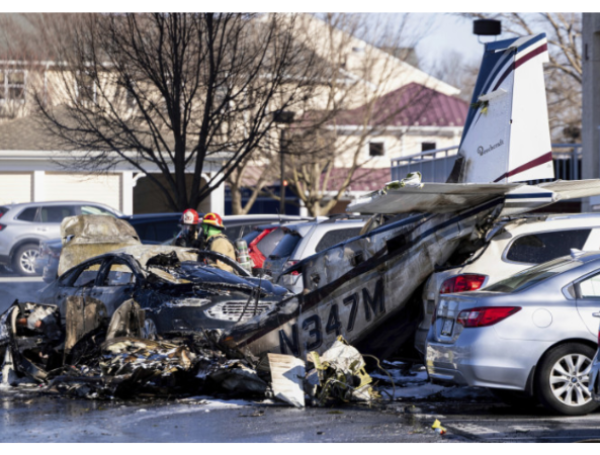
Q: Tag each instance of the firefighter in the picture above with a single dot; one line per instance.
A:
(215, 240)
(189, 236)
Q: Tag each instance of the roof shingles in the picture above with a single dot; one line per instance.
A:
(410, 105)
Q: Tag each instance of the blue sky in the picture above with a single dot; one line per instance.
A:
(446, 32)
(439, 33)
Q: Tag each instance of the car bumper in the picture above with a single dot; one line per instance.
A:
(480, 358)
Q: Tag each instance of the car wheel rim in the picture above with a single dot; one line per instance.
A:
(27, 260)
(569, 380)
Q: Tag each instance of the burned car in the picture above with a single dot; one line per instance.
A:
(178, 289)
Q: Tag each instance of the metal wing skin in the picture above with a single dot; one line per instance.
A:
(572, 189)
(432, 198)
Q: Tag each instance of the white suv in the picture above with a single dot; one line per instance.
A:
(305, 239)
(515, 245)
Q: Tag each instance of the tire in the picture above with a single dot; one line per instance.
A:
(515, 399)
(563, 378)
(24, 259)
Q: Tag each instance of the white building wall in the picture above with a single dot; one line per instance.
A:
(16, 187)
(104, 188)
(27, 176)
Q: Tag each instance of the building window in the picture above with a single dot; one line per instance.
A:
(12, 85)
(124, 95)
(85, 88)
(427, 146)
(376, 148)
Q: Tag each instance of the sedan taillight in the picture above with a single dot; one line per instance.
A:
(462, 283)
(2, 227)
(484, 316)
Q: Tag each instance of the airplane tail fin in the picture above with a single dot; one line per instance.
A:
(506, 137)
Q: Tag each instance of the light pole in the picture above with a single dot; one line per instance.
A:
(283, 118)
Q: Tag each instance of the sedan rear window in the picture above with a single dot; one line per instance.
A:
(545, 246)
(286, 246)
(534, 275)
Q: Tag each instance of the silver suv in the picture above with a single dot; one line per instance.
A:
(303, 240)
(23, 226)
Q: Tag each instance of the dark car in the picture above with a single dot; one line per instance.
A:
(152, 229)
(179, 292)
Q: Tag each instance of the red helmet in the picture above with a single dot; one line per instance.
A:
(190, 216)
(214, 220)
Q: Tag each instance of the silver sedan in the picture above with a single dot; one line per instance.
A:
(529, 338)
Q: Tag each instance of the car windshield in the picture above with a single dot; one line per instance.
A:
(286, 246)
(534, 275)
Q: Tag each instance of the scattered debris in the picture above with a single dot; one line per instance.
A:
(438, 428)
(238, 377)
(86, 355)
(287, 376)
(341, 375)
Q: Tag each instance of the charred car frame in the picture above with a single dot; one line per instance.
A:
(176, 287)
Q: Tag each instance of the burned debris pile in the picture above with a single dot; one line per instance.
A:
(87, 355)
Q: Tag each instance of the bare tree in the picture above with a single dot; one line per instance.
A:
(252, 174)
(563, 72)
(322, 157)
(456, 70)
(169, 91)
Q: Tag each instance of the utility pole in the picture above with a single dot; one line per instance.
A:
(284, 118)
(282, 152)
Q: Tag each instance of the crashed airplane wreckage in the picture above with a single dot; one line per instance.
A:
(145, 321)
(367, 289)
(85, 358)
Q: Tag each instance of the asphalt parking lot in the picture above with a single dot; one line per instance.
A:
(204, 419)
(17, 287)
(469, 415)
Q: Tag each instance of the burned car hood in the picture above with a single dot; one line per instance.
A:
(196, 272)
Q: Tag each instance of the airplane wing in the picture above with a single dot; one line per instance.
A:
(573, 188)
(432, 198)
